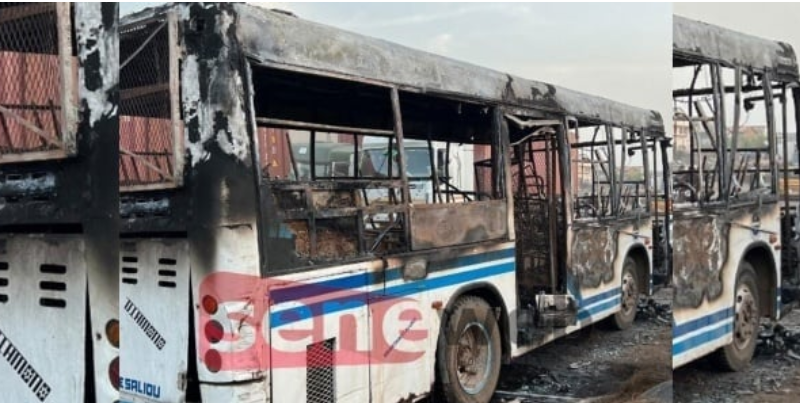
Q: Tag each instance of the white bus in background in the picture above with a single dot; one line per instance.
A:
(453, 168)
(59, 328)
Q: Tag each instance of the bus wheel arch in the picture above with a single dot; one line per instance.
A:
(489, 293)
(761, 259)
(624, 317)
(737, 355)
(639, 255)
(469, 351)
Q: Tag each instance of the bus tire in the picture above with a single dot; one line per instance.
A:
(746, 322)
(469, 353)
(629, 296)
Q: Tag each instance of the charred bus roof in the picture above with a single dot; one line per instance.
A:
(280, 40)
(696, 42)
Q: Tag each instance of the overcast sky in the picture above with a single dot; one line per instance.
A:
(620, 51)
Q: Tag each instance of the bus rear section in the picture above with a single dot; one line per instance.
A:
(58, 205)
(735, 231)
(154, 268)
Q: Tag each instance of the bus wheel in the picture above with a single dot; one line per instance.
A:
(468, 357)
(746, 321)
(623, 319)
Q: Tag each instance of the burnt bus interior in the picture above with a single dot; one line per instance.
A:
(345, 196)
(335, 187)
(752, 163)
(38, 117)
(611, 178)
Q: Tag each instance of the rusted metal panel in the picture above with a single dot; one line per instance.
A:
(274, 153)
(436, 226)
(38, 96)
(700, 41)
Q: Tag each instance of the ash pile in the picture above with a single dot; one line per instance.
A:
(778, 339)
(649, 309)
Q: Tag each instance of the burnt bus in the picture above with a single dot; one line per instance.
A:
(59, 332)
(736, 231)
(444, 233)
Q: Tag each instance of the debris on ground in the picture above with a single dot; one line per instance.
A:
(594, 365)
(774, 338)
(650, 309)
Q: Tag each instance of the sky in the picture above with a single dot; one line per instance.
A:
(620, 51)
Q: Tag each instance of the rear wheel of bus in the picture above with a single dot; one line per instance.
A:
(737, 355)
(624, 318)
(468, 357)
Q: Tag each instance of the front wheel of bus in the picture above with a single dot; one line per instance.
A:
(468, 357)
(746, 321)
(624, 318)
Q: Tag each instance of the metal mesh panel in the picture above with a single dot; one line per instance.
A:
(147, 133)
(31, 85)
(320, 385)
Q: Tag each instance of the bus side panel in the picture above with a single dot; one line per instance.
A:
(42, 287)
(706, 260)
(406, 322)
(154, 301)
(595, 278)
(597, 262)
(319, 328)
(225, 267)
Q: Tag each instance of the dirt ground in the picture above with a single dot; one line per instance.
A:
(597, 365)
(773, 376)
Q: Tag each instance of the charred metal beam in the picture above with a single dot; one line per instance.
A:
(685, 92)
(737, 110)
(293, 124)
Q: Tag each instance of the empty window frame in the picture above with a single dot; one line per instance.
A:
(744, 162)
(611, 171)
(337, 185)
(38, 76)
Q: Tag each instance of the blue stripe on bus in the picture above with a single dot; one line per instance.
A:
(302, 291)
(701, 339)
(599, 297)
(584, 314)
(701, 322)
(360, 298)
